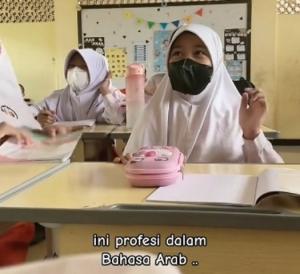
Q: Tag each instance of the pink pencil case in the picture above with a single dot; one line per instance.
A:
(155, 166)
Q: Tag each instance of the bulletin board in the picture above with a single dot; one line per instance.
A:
(139, 33)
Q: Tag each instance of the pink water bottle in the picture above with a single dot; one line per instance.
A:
(135, 98)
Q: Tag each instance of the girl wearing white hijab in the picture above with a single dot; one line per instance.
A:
(88, 95)
(197, 108)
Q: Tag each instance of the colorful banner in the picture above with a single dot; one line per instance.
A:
(199, 12)
(176, 23)
(150, 24)
(188, 19)
(128, 15)
(164, 25)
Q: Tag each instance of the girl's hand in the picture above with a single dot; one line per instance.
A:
(253, 111)
(123, 159)
(21, 136)
(46, 118)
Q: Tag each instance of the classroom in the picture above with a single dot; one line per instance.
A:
(80, 196)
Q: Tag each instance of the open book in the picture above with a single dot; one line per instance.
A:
(44, 148)
(240, 190)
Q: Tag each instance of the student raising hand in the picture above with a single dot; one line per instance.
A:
(46, 118)
(21, 136)
(252, 113)
(198, 109)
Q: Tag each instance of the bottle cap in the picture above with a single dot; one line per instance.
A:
(135, 69)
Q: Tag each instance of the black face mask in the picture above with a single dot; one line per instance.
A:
(189, 77)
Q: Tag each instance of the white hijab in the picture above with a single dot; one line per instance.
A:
(69, 106)
(204, 127)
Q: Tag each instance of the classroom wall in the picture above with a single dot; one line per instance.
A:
(37, 50)
(65, 35)
(288, 75)
(263, 53)
(31, 49)
(274, 63)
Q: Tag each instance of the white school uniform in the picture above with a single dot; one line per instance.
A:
(205, 127)
(13, 109)
(89, 103)
(153, 83)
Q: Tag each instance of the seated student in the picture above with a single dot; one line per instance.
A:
(88, 95)
(198, 109)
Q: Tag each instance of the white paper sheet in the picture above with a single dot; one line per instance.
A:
(81, 123)
(205, 188)
(44, 149)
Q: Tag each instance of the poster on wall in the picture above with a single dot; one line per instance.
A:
(140, 53)
(235, 69)
(235, 44)
(160, 43)
(95, 43)
(117, 59)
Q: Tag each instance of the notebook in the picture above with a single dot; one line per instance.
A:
(241, 190)
(44, 148)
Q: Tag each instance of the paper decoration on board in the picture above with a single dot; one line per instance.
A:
(95, 43)
(140, 53)
(160, 43)
(236, 69)
(128, 15)
(139, 21)
(150, 24)
(235, 44)
(16, 11)
(188, 19)
(163, 25)
(176, 23)
(117, 59)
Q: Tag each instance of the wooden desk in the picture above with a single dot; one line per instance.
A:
(15, 177)
(96, 140)
(121, 132)
(94, 144)
(270, 133)
(98, 131)
(102, 190)
(84, 193)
